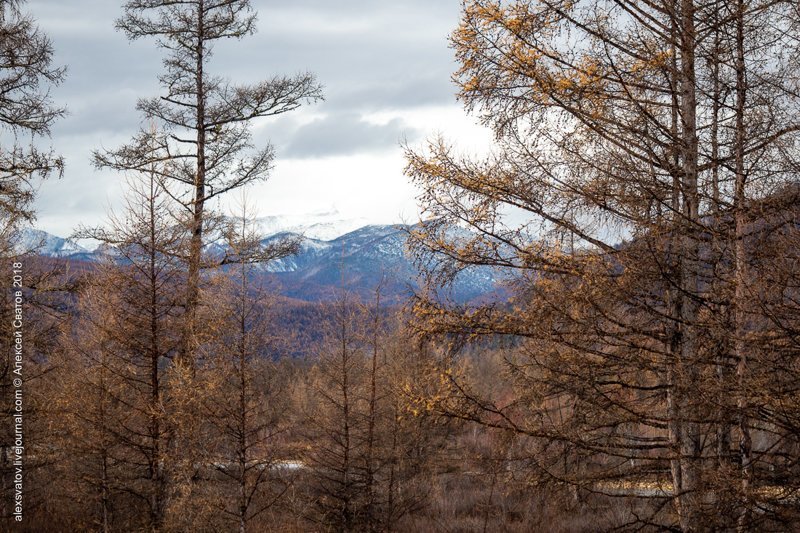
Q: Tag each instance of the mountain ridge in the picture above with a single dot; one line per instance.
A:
(360, 260)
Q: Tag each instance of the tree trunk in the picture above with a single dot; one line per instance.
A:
(690, 448)
(740, 296)
(198, 203)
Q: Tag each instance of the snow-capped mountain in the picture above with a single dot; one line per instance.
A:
(359, 260)
(31, 240)
(320, 225)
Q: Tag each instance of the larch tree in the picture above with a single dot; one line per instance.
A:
(371, 449)
(123, 341)
(626, 133)
(91, 408)
(336, 438)
(27, 113)
(203, 121)
(246, 411)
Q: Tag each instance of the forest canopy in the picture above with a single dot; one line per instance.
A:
(635, 368)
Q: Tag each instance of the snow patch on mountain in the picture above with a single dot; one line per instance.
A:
(31, 240)
(321, 225)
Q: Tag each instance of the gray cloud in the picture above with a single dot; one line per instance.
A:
(345, 134)
(371, 56)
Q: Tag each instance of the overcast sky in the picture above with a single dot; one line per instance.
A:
(385, 66)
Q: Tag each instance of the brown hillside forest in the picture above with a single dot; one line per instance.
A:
(643, 374)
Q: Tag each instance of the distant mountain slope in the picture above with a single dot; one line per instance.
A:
(319, 225)
(31, 240)
(359, 260)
